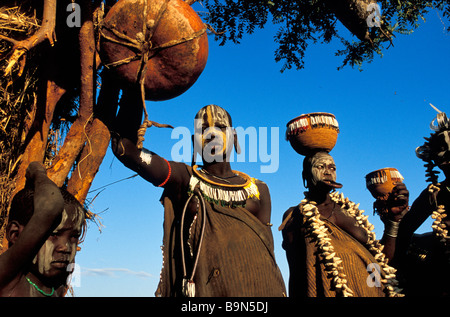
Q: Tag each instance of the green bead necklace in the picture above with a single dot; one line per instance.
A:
(39, 290)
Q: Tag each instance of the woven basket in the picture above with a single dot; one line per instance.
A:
(312, 132)
(381, 182)
(176, 45)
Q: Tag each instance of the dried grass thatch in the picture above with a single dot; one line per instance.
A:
(17, 99)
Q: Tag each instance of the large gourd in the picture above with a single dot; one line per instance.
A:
(162, 43)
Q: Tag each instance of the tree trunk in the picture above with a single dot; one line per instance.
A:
(51, 88)
(90, 160)
(98, 138)
(76, 137)
(37, 136)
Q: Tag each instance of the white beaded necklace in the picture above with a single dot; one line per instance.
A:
(333, 265)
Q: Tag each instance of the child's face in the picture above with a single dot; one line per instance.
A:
(60, 248)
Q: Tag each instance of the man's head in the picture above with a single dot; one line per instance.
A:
(60, 248)
(436, 149)
(319, 171)
(440, 150)
(214, 136)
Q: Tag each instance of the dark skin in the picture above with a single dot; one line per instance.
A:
(422, 208)
(318, 191)
(321, 180)
(124, 148)
(395, 208)
(27, 240)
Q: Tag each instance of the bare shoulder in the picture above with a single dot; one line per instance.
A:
(262, 187)
(179, 174)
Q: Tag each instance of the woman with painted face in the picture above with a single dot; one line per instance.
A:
(330, 248)
(43, 229)
(424, 259)
(217, 237)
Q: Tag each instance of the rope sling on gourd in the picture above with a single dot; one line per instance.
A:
(145, 51)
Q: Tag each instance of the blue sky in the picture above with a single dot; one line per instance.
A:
(383, 113)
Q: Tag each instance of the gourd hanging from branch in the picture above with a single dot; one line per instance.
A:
(164, 50)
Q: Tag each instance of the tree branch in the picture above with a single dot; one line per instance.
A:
(47, 31)
(76, 137)
(90, 160)
(37, 136)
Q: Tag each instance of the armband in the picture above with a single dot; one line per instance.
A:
(168, 175)
(391, 228)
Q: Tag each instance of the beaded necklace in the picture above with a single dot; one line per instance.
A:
(439, 228)
(39, 290)
(316, 229)
(231, 195)
(373, 245)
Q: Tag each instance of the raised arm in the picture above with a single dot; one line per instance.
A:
(28, 239)
(397, 209)
(150, 166)
(420, 210)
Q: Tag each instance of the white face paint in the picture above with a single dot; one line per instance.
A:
(214, 136)
(44, 258)
(216, 144)
(323, 168)
(62, 245)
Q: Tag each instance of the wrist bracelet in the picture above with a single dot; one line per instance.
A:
(391, 228)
